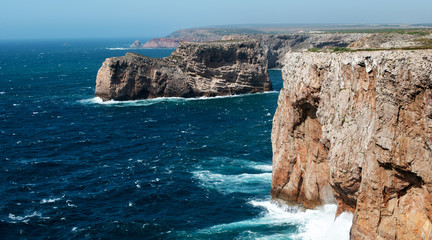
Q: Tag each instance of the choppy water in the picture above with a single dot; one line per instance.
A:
(73, 167)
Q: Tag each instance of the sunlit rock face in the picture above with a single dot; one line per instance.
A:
(192, 70)
(356, 128)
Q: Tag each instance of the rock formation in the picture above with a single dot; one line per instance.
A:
(356, 128)
(161, 43)
(136, 44)
(192, 70)
(276, 46)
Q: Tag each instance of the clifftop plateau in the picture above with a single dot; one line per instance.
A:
(356, 128)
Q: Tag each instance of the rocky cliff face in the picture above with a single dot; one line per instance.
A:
(276, 46)
(192, 70)
(356, 128)
(161, 43)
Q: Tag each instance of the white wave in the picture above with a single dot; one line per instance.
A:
(24, 218)
(322, 224)
(264, 168)
(279, 221)
(226, 163)
(148, 102)
(2, 93)
(50, 200)
(241, 183)
(119, 48)
(130, 103)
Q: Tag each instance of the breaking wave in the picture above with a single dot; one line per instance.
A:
(226, 184)
(278, 221)
(119, 48)
(148, 102)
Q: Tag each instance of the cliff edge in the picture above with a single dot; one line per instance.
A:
(356, 129)
(192, 70)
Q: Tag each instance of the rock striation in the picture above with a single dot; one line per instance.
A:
(356, 128)
(276, 46)
(192, 70)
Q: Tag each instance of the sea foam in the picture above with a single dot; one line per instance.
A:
(118, 48)
(278, 221)
(25, 218)
(148, 102)
(226, 184)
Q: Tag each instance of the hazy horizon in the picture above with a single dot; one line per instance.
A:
(46, 19)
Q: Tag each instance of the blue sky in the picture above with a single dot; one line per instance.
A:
(157, 18)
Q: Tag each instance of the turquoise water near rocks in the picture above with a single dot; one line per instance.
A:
(74, 167)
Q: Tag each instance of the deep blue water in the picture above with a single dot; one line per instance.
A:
(75, 168)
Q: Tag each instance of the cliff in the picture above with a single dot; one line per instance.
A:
(277, 46)
(356, 129)
(161, 43)
(192, 70)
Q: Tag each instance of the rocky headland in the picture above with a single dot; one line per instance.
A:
(355, 128)
(276, 46)
(192, 70)
(157, 43)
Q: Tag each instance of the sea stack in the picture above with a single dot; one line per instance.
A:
(356, 129)
(136, 44)
(192, 70)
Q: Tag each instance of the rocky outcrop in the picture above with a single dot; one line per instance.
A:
(356, 128)
(276, 46)
(136, 44)
(192, 70)
(161, 43)
(392, 40)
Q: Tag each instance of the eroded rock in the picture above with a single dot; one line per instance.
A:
(192, 70)
(358, 126)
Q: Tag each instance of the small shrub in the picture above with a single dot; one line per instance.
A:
(341, 49)
(314, 49)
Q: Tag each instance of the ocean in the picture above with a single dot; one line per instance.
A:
(74, 167)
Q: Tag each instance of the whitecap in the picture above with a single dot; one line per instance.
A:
(264, 168)
(279, 221)
(50, 200)
(119, 48)
(321, 224)
(227, 164)
(24, 218)
(148, 102)
(273, 216)
(241, 183)
(2, 93)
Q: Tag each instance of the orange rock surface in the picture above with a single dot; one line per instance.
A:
(356, 129)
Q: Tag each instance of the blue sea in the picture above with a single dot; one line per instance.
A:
(74, 167)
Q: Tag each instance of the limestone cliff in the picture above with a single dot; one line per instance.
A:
(192, 70)
(161, 43)
(358, 126)
(277, 45)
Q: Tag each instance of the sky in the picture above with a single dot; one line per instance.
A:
(29, 19)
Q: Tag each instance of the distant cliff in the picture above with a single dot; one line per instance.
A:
(277, 45)
(358, 127)
(192, 70)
